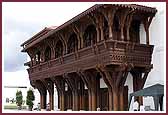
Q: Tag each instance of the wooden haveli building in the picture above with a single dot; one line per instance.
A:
(102, 42)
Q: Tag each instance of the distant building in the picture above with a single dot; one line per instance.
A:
(12, 97)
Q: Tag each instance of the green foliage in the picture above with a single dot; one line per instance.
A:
(30, 98)
(19, 98)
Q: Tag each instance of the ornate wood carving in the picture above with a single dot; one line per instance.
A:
(43, 92)
(60, 85)
(115, 79)
(72, 82)
(113, 58)
(147, 21)
(50, 87)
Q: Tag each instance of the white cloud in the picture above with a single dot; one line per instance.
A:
(22, 20)
(46, 14)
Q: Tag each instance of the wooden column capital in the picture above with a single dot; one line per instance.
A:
(49, 85)
(122, 17)
(72, 81)
(110, 16)
(147, 21)
(128, 23)
(59, 82)
(41, 88)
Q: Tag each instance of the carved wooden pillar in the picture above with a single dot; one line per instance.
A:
(115, 79)
(58, 99)
(90, 99)
(34, 60)
(72, 81)
(42, 56)
(51, 43)
(43, 92)
(123, 16)
(128, 24)
(121, 96)
(109, 87)
(82, 88)
(52, 53)
(98, 33)
(98, 90)
(101, 24)
(94, 99)
(110, 92)
(77, 32)
(115, 99)
(31, 54)
(62, 37)
(110, 16)
(81, 40)
(147, 21)
(89, 78)
(50, 87)
(62, 101)
(60, 85)
(43, 98)
(139, 79)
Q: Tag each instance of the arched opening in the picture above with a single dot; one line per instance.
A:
(72, 43)
(89, 36)
(58, 49)
(38, 59)
(48, 54)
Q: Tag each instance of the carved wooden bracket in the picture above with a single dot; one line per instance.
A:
(31, 53)
(82, 76)
(147, 21)
(123, 16)
(110, 15)
(139, 79)
(64, 42)
(103, 76)
(49, 85)
(117, 77)
(59, 84)
(89, 79)
(72, 81)
(128, 22)
(41, 88)
(77, 32)
(93, 18)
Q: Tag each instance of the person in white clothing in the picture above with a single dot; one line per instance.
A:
(136, 105)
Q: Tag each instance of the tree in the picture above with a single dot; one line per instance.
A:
(19, 99)
(30, 98)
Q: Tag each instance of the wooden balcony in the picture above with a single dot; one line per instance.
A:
(107, 52)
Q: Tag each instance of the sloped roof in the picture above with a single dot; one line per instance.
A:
(43, 32)
(154, 90)
(46, 32)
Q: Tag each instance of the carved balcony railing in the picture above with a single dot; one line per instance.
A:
(109, 52)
